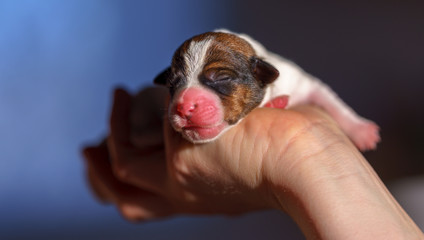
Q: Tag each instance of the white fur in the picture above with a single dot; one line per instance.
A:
(302, 87)
(195, 60)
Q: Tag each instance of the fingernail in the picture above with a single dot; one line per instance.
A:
(119, 92)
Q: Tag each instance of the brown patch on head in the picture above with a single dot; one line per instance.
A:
(241, 102)
(226, 41)
(225, 67)
(226, 50)
(231, 42)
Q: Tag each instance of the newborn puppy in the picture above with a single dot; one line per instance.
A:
(217, 78)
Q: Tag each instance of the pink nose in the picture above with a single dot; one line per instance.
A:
(186, 109)
(197, 107)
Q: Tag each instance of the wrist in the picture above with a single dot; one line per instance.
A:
(309, 171)
(333, 193)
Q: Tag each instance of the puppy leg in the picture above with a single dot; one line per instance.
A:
(278, 102)
(364, 133)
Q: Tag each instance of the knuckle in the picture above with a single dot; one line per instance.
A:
(184, 174)
(95, 188)
(122, 171)
(181, 170)
(131, 213)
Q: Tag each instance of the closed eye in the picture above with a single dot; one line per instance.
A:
(218, 75)
(223, 78)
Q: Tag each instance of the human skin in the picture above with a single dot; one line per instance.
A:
(297, 161)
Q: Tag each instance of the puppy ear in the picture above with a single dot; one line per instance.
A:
(162, 77)
(264, 72)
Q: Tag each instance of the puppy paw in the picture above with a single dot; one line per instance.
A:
(365, 135)
(278, 102)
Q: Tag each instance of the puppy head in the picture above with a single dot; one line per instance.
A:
(215, 79)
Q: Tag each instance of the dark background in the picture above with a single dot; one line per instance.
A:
(60, 60)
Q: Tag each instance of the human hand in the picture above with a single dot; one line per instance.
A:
(221, 177)
(272, 159)
(132, 170)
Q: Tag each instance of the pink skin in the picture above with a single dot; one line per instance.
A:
(198, 114)
(278, 102)
(366, 136)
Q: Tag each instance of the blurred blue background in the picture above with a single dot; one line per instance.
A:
(60, 60)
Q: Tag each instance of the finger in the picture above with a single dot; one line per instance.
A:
(148, 121)
(119, 120)
(146, 118)
(144, 206)
(95, 185)
(134, 203)
(143, 167)
(92, 156)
